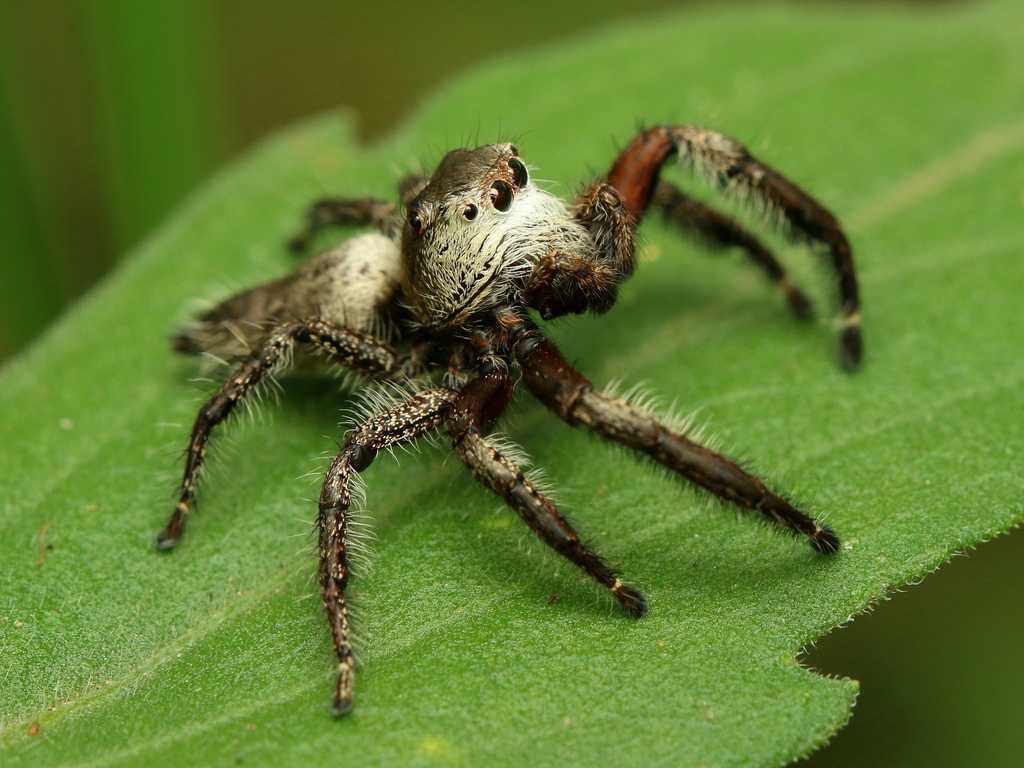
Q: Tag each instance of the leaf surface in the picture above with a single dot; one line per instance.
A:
(910, 127)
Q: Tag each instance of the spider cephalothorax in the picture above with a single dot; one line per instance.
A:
(474, 234)
(441, 293)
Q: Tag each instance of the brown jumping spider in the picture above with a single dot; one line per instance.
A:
(441, 291)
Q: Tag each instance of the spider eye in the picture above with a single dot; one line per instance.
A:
(470, 212)
(416, 221)
(520, 176)
(501, 196)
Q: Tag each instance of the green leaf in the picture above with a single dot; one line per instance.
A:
(909, 126)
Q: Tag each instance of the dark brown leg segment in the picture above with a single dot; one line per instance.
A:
(565, 391)
(728, 164)
(349, 348)
(480, 402)
(352, 212)
(420, 414)
(717, 230)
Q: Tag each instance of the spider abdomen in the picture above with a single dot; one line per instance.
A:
(351, 285)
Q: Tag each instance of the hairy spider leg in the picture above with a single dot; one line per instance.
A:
(420, 414)
(717, 230)
(613, 226)
(726, 163)
(356, 211)
(351, 349)
(478, 405)
(564, 390)
(411, 185)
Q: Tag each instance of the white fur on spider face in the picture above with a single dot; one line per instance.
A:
(461, 268)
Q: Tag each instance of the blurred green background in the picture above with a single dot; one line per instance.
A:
(112, 110)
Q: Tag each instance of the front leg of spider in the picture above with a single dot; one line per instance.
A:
(719, 231)
(404, 423)
(564, 390)
(356, 211)
(612, 208)
(729, 165)
(479, 404)
(351, 349)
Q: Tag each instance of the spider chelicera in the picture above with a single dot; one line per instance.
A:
(437, 299)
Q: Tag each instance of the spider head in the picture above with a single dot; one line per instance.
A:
(472, 185)
(469, 235)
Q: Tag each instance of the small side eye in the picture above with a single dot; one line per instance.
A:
(520, 176)
(415, 221)
(470, 212)
(501, 196)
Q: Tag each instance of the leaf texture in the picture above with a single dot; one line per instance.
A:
(910, 127)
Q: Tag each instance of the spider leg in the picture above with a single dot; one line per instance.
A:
(727, 163)
(717, 230)
(351, 349)
(347, 211)
(420, 414)
(479, 403)
(411, 185)
(565, 391)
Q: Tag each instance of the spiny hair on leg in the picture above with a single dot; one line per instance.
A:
(358, 520)
(210, 361)
(641, 397)
(376, 397)
(320, 464)
(254, 396)
(252, 407)
(347, 380)
(190, 326)
(223, 344)
(358, 492)
(509, 448)
(214, 461)
(538, 477)
(684, 426)
(710, 167)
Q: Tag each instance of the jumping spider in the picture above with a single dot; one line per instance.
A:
(441, 291)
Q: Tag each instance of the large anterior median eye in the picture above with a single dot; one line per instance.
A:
(520, 177)
(501, 196)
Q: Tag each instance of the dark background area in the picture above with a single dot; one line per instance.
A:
(112, 110)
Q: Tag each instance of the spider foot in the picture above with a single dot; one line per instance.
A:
(632, 599)
(341, 707)
(167, 541)
(850, 345)
(171, 535)
(343, 699)
(824, 540)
